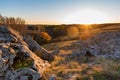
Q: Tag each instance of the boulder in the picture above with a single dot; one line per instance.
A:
(52, 77)
(39, 50)
(17, 61)
(79, 49)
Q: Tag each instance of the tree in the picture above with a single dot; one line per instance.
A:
(45, 36)
(59, 31)
(72, 31)
(15, 23)
(2, 20)
(40, 29)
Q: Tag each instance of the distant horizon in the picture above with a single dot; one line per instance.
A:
(72, 24)
(48, 23)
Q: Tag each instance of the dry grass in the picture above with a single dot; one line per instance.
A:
(80, 68)
(65, 69)
(60, 45)
(110, 66)
(103, 69)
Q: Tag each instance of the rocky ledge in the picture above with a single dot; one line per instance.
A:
(17, 61)
(105, 44)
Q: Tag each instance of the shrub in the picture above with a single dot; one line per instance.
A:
(42, 38)
(72, 31)
(45, 37)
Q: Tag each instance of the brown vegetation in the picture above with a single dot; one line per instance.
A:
(15, 23)
(80, 68)
(72, 31)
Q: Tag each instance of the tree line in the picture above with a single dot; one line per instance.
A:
(53, 33)
(15, 23)
(44, 33)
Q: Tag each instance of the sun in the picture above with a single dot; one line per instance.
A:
(87, 17)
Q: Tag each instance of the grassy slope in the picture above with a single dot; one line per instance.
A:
(66, 68)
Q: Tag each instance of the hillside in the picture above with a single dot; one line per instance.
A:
(60, 33)
(96, 58)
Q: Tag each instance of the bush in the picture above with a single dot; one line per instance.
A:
(45, 36)
(42, 38)
(72, 31)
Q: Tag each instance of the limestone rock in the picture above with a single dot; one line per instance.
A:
(25, 74)
(105, 44)
(17, 61)
(39, 50)
(52, 77)
(79, 49)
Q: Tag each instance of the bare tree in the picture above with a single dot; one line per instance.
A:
(15, 23)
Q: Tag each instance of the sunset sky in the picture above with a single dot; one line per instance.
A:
(62, 11)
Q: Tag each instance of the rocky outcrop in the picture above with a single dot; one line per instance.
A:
(17, 61)
(39, 50)
(79, 49)
(105, 44)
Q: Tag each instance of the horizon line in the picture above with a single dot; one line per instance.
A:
(73, 23)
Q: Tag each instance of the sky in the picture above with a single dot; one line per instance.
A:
(62, 11)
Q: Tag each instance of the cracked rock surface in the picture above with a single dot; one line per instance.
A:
(17, 61)
(106, 44)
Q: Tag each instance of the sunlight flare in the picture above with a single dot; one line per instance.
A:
(87, 16)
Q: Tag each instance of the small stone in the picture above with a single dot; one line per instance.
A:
(53, 77)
